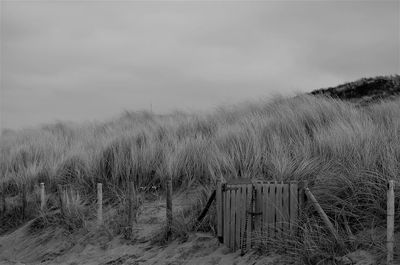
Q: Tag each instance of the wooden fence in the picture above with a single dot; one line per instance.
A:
(65, 196)
(247, 210)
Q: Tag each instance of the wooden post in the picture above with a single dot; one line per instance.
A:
(130, 202)
(60, 198)
(132, 207)
(42, 197)
(323, 215)
(390, 222)
(205, 210)
(348, 229)
(219, 210)
(3, 199)
(24, 201)
(294, 206)
(99, 204)
(302, 197)
(169, 205)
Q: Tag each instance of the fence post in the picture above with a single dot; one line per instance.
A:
(390, 222)
(60, 198)
(323, 215)
(132, 207)
(302, 195)
(24, 201)
(219, 209)
(169, 205)
(3, 199)
(99, 204)
(42, 197)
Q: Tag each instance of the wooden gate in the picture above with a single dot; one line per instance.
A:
(249, 210)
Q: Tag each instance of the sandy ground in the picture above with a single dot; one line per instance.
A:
(199, 249)
(98, 247)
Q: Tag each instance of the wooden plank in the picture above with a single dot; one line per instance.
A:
(278, 210)
(238, 216)
(271, 210)
(223, 195)
(237, 219)
(265, 209)
(293, 207)
(219, 210)
(262, 202)
(226, 219)
(285, 209)
(249, 224)
(232, 220)
(390, 222)
(223, 216)
(258, 217)
(243, 190)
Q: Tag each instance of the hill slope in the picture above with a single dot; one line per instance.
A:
(365, 90)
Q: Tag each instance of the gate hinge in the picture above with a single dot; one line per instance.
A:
(223, 187)
(254, 213)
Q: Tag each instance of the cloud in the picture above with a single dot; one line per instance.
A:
(91, 60)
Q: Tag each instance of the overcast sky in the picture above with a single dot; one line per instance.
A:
(85, 60)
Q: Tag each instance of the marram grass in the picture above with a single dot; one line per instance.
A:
(346, 153)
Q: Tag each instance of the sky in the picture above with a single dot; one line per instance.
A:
(91, 60)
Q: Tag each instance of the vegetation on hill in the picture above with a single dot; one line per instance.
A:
(346, 154)
(366, 90)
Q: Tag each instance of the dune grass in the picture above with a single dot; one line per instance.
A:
(346, 153)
